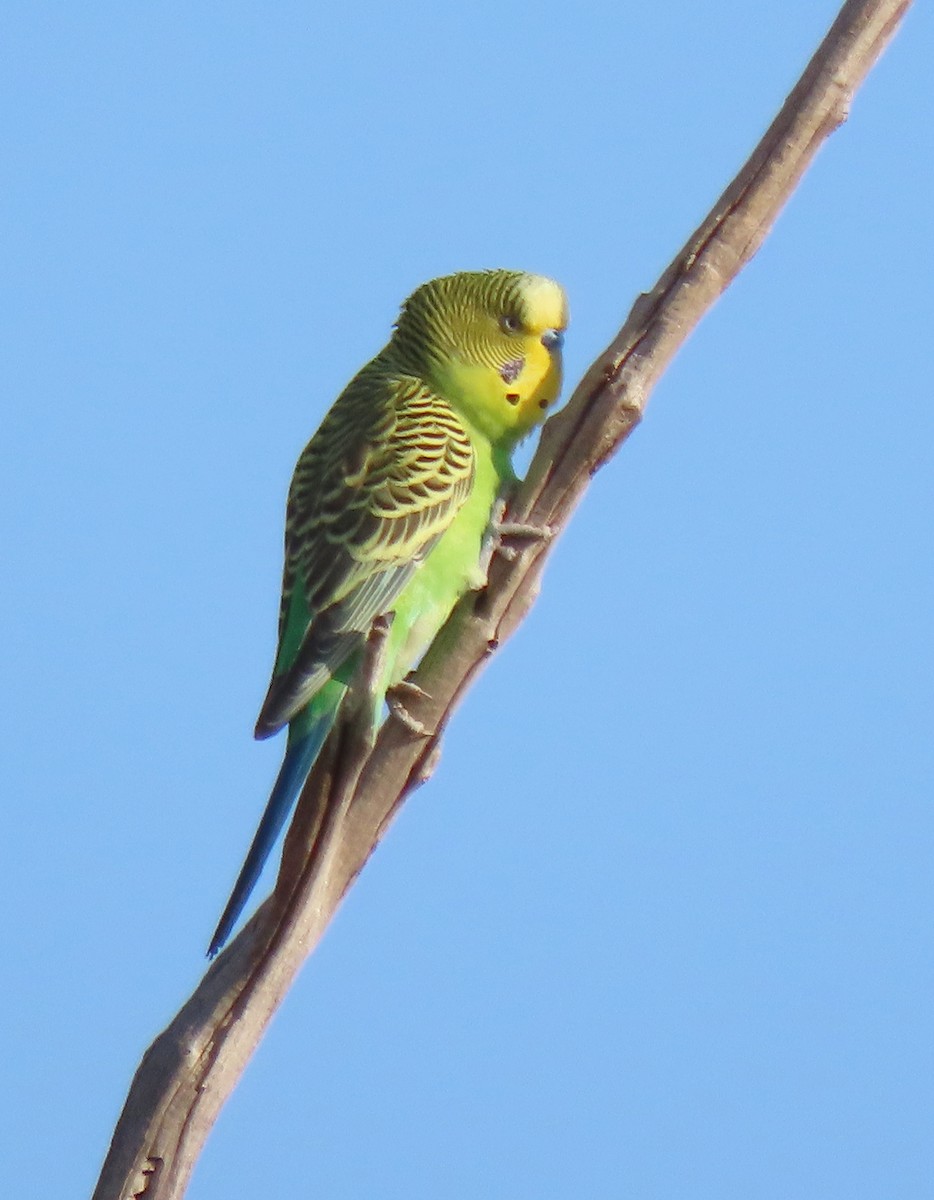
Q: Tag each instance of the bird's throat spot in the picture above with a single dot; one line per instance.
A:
(512, 397)
(510, 371)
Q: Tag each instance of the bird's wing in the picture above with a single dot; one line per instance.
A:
(373, 491)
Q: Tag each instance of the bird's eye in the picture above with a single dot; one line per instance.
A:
(510, 323)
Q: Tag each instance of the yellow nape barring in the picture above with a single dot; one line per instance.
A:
(495, 340)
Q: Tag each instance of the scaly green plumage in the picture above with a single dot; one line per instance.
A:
(391, 500)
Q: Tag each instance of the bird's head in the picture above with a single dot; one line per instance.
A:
(490, 343)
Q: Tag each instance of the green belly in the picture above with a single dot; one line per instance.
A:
(451, 569)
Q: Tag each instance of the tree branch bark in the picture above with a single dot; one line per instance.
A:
(355, 790)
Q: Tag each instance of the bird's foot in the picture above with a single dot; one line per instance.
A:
(499, 534)
(524, 531)
(504, 533)
(396, 705)
(408, 687)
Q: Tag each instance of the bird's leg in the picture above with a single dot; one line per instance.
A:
(396, 705)
(362, 708)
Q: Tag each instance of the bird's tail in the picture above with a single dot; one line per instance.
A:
(307, 734)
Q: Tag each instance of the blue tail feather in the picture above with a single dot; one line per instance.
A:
(300, 754)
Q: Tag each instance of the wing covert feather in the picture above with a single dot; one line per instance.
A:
(373, 491)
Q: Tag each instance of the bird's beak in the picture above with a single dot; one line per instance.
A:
(553, 339)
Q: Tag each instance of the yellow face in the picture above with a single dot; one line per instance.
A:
(498, 344)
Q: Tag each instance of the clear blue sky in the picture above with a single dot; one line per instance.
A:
(661, 925)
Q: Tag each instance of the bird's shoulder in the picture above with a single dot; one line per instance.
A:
(387, 430)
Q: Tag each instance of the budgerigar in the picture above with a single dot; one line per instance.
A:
(391, 502)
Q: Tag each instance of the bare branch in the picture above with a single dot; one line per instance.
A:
(355, 789)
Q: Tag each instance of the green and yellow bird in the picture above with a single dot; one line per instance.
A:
(391, 503)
